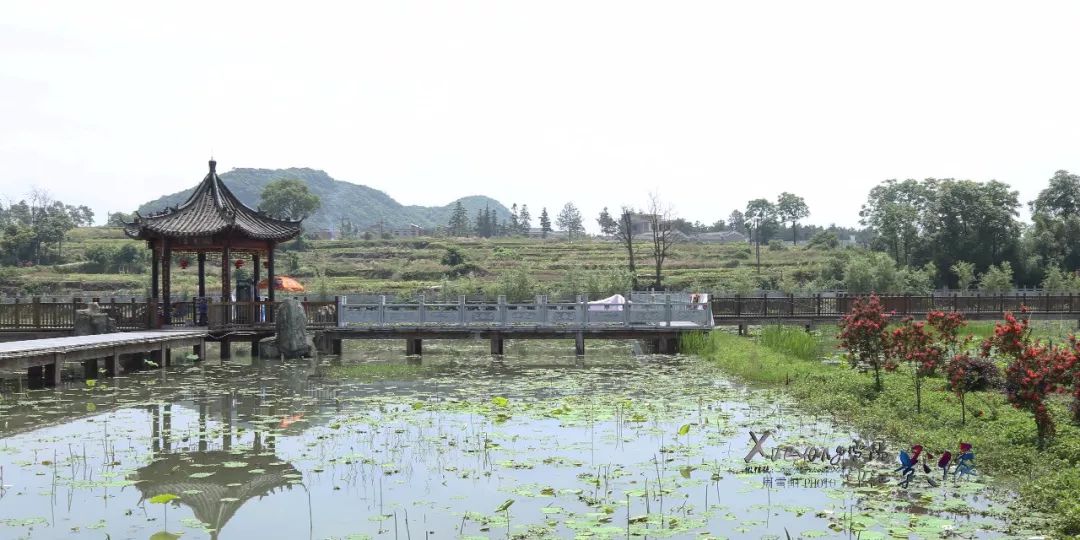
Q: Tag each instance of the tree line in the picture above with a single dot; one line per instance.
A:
(32, 230)
(486, 223)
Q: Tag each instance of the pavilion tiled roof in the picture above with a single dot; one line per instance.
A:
(212, 209)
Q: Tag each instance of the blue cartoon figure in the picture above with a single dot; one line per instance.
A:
(965, 464)
(909, 463)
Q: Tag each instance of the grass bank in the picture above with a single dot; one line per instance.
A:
(1003, 437)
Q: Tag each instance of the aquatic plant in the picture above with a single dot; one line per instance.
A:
(790, 340)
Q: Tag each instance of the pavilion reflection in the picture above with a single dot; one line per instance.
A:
(227, 459)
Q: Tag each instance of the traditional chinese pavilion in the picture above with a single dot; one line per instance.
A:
(212, 224)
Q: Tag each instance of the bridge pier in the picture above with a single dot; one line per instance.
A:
(497, 344)
(90, 368)
(35, 377)
(198, 350)
(255, 348)
(225, 349)
(336, 346)
(112, 364)
(666, 345)
(414, 346)
(579, 344)
(133, 362)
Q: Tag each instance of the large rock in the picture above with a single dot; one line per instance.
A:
(92, 321)
(291, 326)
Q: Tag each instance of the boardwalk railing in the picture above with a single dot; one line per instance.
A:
(833, 306)
(43, 314)
(539, 314)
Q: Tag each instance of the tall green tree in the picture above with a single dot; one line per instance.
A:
(737, 221)
(545, 223)
(608, 225)
(664, 235)
(791, 208)
(761, 219)
(524, 220)
(973, 221)
(288, 198)
(513, 227)
(569, 220)
(897, 213)
(459, 221)
(118, 219)
(624, 231)
(1055, 213)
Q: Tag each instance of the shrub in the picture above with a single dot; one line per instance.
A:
(825, 240)
(452, 257)
(776, 245)
(966, 373)
(466, 269)
(997, 278)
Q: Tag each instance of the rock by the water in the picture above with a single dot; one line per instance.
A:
(268, 348)
(92, 321)
(291, 326)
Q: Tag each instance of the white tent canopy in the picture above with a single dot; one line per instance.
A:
(612, 303)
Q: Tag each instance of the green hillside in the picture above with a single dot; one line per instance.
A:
(361, 205)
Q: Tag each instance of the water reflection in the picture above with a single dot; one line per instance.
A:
(374, 446)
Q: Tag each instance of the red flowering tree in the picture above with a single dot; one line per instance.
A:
(1010, 338)
(916, 347)
(947, 325)
(1036, 373)
(865, 336)
(1075, 346)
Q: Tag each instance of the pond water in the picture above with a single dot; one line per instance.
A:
(537, 444)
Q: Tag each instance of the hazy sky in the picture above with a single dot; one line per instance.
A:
(709, 103)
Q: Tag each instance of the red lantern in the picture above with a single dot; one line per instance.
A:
(239, 263)
(184, 263)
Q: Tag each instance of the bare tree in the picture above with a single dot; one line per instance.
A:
(624, 232)
(664, 236)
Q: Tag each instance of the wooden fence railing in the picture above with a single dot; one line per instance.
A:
(814, 306)
(43, 314)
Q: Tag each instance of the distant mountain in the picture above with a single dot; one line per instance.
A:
(362, 205)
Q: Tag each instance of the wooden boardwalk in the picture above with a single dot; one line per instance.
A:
(44, 358)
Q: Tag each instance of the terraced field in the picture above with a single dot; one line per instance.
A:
(517, 267)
